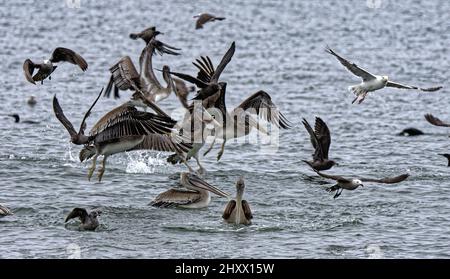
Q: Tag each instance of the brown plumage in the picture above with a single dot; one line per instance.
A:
(147, 34)
(237, 211)
(4, 211)
(204, 18)
(436, 121)
(89, 221)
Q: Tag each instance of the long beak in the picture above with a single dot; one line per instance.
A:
(214, 190)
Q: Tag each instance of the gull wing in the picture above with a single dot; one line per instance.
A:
(403, 86)
(318, 153)
(352, 67)
(323, 135)
(28, 69)
(64, 54)
(387, 180)
(435, 121)
(338, 178)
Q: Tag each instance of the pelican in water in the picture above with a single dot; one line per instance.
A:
(238, 210)
(147, 34)
(124, 75)
(60, 54)
(122, 129)
(371, 82)
(197, 194)
(4, 211)
(204, 18)
(351, 184)
(89, 221)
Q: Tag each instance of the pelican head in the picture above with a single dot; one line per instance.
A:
(240, 186)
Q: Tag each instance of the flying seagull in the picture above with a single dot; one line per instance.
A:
(60, 54)
(371, 82)
(238, 210)
(353, 183)
(321, 140)
(204, 18)
(147, 34)
(89, 221)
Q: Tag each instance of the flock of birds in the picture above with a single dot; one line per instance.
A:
(131, 127)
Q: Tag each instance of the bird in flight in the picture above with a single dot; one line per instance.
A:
(204, 18)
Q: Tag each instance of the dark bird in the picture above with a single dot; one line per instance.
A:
(89, 221)
(409, 132)
(448, 158)
(320, 140)
(436, 121)
(31, 101)
(45, 69)
(17, 119)
(4, 211)
(353, 183)
(147, 34)
(204, 18)
(238, 210)
(371, 82)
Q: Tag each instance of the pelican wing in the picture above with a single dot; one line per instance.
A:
(164, 143)
(318, 152)
(62, 118)
(223, 63)
(199, 83)
(333, 177)
(86, 115)
(436, 121)
(403, 86)
(77, 212)
(231, 205)
(352, 67)
(175, 197)
(124, 76)
(206, 69)
(28, 69)
(261, 104)
(323, 135)
(247, 212)
(387, 180)
(5, 211)
(181, 91)
(64, 54)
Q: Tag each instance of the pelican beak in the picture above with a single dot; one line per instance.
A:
(214, 189)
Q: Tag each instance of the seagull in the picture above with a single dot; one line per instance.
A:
(197, 195)
(204, 18)
(60, 54)
(371, 82)
(32, 101)
(89, 221)
(448, 158)
(4, 211)
(17, 119)
(147, 34)
(436, 121)
(353, 183)
(238, 210)
(321, 140)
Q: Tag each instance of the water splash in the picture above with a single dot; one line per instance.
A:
(144, 162)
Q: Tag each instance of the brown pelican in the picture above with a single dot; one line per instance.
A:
(60, 54)
(182, 91)
(122, 129)
(321, 140)
(146, 34)
(371, 82)
(353, 183)
(124, 75)
(238, 210)
(4, 211)
(31, 101)
(204, 18)
(89, 221)
(17, 119)
(197, 195)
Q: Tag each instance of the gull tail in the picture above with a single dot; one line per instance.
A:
(86, 153)
(359, 92)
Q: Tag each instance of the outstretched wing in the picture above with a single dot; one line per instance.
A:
(247, 212)
(86, 115)
(318, 153)
(338, 178)
(223, 63)
(206, 69)
(77, 212)
(435, 121)
(68, 55)
(28, 69)
(323, 135)
(62, 118)
(352, 67)
(165, 143)
(231, 205)
(403, 86)
(387, 180)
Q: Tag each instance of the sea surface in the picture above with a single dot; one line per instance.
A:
(280, 49)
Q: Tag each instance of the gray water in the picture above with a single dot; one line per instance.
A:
(280, 49)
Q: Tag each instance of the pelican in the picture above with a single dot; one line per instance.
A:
(17, 119)
(60, 54)
(89, 221)
(4, 211)
(238, 210)
(196, 196)
(146, 34)
(121, 129)
(353, 183)
(204, 18)
(371, 82)
(321, 140)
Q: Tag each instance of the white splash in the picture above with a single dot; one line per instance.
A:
(144, 162)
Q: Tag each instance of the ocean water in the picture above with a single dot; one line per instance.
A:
(279, 49)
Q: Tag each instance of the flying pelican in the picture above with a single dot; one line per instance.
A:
(238, 210)
(89, 221)
(4, 211)
(321, 140)
(147, 34)
(18, 120)
(353, 183)
(60, 54)
(197, 195)
(371, 82)
(204, 18)
(121, 129)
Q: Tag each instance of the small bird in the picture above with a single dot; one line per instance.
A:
(371, 82)
(353, 183)
(238, 210)
(147, 34)
(89, 221)
(436, 121)
(31, 101)
(17, 119)
(60, 54)
(204, 18)
(448, 158)
(321, 140)
(410, 132)
(4, 211)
